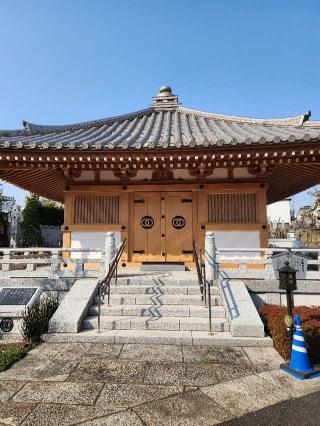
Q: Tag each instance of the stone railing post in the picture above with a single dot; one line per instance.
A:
(55, 267)
(79, 266)
(110, 249)
(6, 257)
(210, 257)
(30, 266)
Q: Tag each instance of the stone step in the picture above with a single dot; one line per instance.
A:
(166, 299)
(154, 337)
(151, 323)
(149, 266)
(163, 310)
(158, 281)
(156, 289)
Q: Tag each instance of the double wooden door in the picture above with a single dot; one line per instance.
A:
(162, 229)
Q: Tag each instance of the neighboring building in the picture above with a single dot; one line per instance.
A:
(165, 175)
(280, 216)
(280, 212)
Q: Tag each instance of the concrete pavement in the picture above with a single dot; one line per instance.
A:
(132, 384)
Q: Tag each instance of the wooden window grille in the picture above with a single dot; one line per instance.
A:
(95, 209)
(232, 208)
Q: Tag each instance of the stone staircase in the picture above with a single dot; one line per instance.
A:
(149, 304)
(156, 308)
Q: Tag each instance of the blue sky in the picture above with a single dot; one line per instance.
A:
(68, 61)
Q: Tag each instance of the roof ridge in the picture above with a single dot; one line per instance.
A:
(313, 123)
(294, 120)
(297, 120)
(100, 122)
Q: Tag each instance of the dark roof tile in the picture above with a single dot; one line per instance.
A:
(163, 125)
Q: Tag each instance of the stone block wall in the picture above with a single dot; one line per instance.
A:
(55, 287)
(267, 291)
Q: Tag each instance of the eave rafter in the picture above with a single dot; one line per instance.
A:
(230, 157)
(48, 172)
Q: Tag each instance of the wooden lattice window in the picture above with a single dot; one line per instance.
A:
(232, 208)
(95, 209)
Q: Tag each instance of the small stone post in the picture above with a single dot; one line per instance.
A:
(6, 257)
(110, 249)
(55, 267)
(210, 257)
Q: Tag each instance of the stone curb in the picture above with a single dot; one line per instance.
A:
(74, 307)
(240, 309)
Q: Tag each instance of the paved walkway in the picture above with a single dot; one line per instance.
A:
(124, 385)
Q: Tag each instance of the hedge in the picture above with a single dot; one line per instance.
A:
(310, 316)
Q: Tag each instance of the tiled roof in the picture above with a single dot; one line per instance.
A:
(165, 124)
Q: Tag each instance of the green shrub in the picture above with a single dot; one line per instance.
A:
(30, 231)
(310, 316)
(35, 214)
(3, 226)
(11, 354)
(50, 214)
(35, 319)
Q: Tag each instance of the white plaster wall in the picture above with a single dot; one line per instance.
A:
(279, 211)
(237, 239)
(90, 240)
(182, 174)
(107, 175)
(242, 173)
(143, 174)
(220, 173)
(86, 175)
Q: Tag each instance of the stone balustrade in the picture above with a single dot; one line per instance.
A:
(257, 263)
(52, 262)
(260, 263)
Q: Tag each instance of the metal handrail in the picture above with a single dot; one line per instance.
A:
(196, 258)
(205, 286)
(104, 284)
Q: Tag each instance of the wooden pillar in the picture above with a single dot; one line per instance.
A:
(66, 242)
(202, 218)
(124, 222)
(66, 238)
(66, 233)
(68, 207)
(262, 215)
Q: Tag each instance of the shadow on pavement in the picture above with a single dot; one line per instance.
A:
(300, 411)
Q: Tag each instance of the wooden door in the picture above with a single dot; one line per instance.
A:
(178, 226)
(147, 227)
